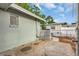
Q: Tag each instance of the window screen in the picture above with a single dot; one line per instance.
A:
(13, 20)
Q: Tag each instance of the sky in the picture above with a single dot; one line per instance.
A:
(61, 12)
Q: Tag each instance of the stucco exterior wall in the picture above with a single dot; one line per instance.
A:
(13, 37)
(68, 28)
(38, 28)
(58, 27)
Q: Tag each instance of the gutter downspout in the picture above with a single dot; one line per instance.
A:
(78, 29)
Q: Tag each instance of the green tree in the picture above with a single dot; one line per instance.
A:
(43, 16)
(50, 20)
(43, 25)
(36, 10)
(65, 23)
(24, 5)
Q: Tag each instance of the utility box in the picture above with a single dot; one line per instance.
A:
(45, 35)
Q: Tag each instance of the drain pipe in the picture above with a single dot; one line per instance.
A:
(77, 47)
(77, 28)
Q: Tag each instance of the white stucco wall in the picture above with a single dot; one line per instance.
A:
(58, 27)
(69, 31)
(48, 27)
(38, 28)
(68, 28)
(13, 37)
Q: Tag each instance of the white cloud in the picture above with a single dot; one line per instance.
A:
(61, 9)
(58, 20)
(69, 7)
(61, 18)
(62, 15)
(38, 5)
(48, 5)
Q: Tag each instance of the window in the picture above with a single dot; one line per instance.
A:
(13, 20)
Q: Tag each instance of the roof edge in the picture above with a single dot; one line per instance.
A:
(18, 8)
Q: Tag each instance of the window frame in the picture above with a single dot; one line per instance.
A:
(15, 23)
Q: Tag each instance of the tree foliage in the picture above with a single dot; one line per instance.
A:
(34, 9)
(43, 25)
(24, 5)
(65, 23)
(43, 16)
(50, 20)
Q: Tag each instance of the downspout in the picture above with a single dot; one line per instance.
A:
(36, 30)
(78, 28)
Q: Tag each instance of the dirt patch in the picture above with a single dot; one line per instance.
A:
(68, 40)
(26, 48)
(36, 43)
(65, 40)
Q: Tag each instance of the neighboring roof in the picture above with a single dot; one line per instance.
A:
(72, 25)
(20, 9)
(54, 24)
(64, 25)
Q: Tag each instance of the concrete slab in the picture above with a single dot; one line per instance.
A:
(42, 48)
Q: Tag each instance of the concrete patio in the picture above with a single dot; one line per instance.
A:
(41, 48)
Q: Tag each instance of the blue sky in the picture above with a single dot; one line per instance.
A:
(61, 12)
